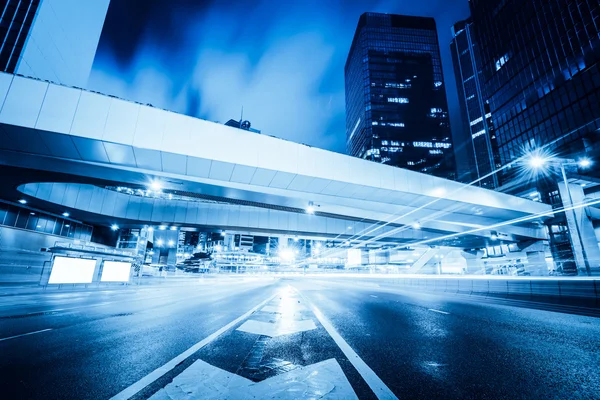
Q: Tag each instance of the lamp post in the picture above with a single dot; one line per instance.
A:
(537, 162)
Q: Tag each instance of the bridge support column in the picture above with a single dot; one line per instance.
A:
(473, 261)
(581, 231)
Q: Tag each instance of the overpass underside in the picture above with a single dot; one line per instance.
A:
(66, 148)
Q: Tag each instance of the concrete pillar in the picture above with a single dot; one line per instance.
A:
(536, 263)
(473, 261)
(581, 231)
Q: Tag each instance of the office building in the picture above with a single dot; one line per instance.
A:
(477, 152)
(43, 39)
(541, 77)
(396, 108)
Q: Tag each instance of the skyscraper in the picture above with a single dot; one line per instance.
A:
(479, 147)
(54, 40)
(540, 73)
(396, 109)
(541, 77)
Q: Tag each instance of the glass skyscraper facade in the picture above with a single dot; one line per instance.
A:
(479, 147)
(541, 77)
(540, 73)
(396, 108)
(16, 17)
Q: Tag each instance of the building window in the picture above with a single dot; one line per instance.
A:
(401, 100)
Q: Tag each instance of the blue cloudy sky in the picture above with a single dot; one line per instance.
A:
(283, 61)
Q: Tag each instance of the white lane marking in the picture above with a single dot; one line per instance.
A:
(160, 371)
(375, 383)
(25, 334)
(372, 295)
(280, 328)
(438, 311)
(204, 381)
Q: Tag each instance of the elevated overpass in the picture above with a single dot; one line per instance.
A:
(67, 148)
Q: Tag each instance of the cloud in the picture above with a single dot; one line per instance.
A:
(282, 61)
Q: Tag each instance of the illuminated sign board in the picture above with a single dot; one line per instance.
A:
(72, 270)
(115, 271)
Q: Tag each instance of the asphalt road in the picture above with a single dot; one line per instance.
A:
(360, 339)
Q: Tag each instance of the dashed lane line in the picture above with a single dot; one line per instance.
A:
(375, 383)
(160, 371)
(25, 334)
(438, 311)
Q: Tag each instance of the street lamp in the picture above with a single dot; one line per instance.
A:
(536, 161)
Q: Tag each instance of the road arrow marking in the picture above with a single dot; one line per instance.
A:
(283, 327)
(323, 380)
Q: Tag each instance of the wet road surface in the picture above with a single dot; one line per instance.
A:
(291, 338)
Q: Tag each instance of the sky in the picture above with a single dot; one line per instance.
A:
(281, 60)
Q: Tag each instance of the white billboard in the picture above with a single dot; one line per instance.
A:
(354, 257)
(115, 271)
(72, 270)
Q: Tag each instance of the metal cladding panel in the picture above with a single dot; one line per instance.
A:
(293, 221)
(148, 159)
(173, 163)
(23, 102)
(146, 207)
(214, 215)
(202, 215)
(90, 150)
(121, 204)
(6, 142)
(262, 177)
(169, 211)
(57, 193)
(191, 214)
(158, 210)
(362, 192)
(176, 135)
(149, 128)
(120, 154)
(318, 185)
(199, 167)
(233, 217)
(58, 109)
(26, 140)
(334, 188)
(96, 203)
(108, 203)
(71, 193)
(244, 217)
(301, 183)
(60, 145)
(282, 219)
(220, 171)
(90, 117)
(121, 121)
(282, 180)
(84, 197)
(30, 189)
(5, 82)
(253, 216)
(279, 155)
(180, 210)
(133, 208)
(264, 218)
(242, 174)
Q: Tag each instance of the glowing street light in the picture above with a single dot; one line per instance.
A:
(23, 201)
(171, 243)
(65, 214)
(156, 185)
(114, 227)
(416, 225)
(536, 162)
(160, 242)
(584, 162)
